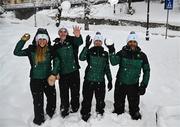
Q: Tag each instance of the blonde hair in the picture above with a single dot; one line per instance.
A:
(40, 54)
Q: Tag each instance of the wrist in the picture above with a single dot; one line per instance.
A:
(23, 40)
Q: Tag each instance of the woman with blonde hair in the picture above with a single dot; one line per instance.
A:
(40, 56)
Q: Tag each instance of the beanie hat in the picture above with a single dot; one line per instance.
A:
(41, 36)
(98, 37)
(132, 37)
(63, 29)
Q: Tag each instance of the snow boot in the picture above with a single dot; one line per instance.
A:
(38, 122)
(64, 113)
(74, 110)
(136, 116)
(118, 112)
(86, 117)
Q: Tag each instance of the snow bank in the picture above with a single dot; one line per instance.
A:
(106, 11)
(168, 116)
(42, 19)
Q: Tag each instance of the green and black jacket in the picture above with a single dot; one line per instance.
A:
(98, 64)
(130, 65)
(66, 55)
(40, 70)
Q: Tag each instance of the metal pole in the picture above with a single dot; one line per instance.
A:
(114, 8)
(147, 28)
(167, 23)
(35, 22)
(86, 14)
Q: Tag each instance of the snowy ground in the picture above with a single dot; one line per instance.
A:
(162, 94)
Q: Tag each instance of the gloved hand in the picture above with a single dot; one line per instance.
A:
(88, 41)
(109, 46)
(109, 86)
(51, 80)
(142, 89)
(25, 37)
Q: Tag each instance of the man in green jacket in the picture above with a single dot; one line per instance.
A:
(94, 81)
(131, 61)
(67, 66)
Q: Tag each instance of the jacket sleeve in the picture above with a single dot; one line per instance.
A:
(84, 54)
(108, 72)
(19, 51)
(77, 41)
(114, 58)
(56, 66)
(146, 71)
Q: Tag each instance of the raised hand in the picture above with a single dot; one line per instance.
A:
(25, 37)
(88, 41)
(77, 31)
(110, 46)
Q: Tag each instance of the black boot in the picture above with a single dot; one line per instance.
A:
(136, 116)
(64, 113)
(86, 117)
(74, 110)
(118, 112)
(38, 122)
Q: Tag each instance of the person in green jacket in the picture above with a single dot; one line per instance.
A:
(40, 56)
(94, 80)
(131, 61)
(66, 64)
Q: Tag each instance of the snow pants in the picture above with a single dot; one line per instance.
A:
(70, 82)
(120, 93)
(89, 88)
(38, 88)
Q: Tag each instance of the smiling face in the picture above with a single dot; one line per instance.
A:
(97, 43)
(63, 34)
(42, 43)
(132, 45)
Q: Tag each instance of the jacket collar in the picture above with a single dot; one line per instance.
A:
(128, 49)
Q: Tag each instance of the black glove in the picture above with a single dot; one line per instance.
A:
(88, 41)
(110, 47)
(142, 90)
(109, 86)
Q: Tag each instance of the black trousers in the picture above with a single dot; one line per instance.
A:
(38, 88)
(120, 93)
(89, 88)
(70, 82)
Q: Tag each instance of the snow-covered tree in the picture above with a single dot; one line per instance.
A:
(1, 10)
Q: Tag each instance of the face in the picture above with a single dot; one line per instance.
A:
(132, 44)
(42, 42)
(98, 43)
(63, 34)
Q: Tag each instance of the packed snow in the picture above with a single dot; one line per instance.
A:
(161, 100)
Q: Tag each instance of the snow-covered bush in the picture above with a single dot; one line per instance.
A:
(1, 10)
